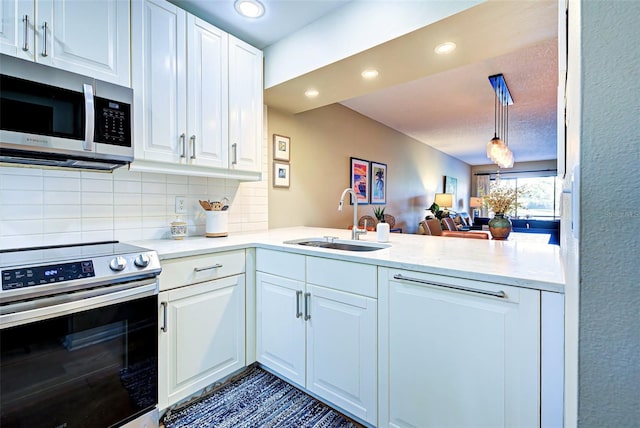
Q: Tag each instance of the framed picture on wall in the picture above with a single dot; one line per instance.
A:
(378, 183)
(281, 147)
(281, 174)
(451, 186)
(359, 179)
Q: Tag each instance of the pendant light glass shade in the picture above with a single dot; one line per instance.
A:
(498, 148)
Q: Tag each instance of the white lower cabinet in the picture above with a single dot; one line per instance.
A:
(457, 353)
(201, 325)
(341, 350)
(280, 326)
(311, 330)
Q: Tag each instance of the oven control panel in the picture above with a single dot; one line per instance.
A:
(49, 274)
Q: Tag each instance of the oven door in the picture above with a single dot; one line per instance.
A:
(90, 362)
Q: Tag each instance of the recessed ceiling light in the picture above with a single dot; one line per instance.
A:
(445, 48)
(249, 8)
(370, 73)
(311, 93)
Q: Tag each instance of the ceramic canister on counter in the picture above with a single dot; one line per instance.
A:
(216, 224)
(178, 228)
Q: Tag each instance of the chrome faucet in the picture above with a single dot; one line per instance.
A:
(355, 231)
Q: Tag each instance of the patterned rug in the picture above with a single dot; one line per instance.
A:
(257, 399)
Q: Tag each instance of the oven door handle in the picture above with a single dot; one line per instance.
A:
(63, 304)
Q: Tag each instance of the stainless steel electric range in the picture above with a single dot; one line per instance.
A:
(78, 335)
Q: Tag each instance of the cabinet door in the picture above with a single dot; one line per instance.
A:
(342, 349)
(207, 94)
(86, 37)
(245, 105)
(280, 326)
(16, 31)
(159, 81)
(204, 337)
(453, 358)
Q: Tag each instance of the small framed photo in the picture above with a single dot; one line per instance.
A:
(359, 178)
(378, 183)
(281, 174)
(281, 148)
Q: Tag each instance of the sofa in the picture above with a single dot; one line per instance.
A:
(434, 228)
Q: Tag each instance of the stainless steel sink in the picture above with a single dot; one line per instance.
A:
(338, 244)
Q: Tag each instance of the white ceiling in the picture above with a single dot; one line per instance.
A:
(281, 18)
(445, 103)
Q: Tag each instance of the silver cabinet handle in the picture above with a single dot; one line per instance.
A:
(298, 296)
(200, 269)
(307, 304)
(181, 140)
(192, 140)
(89, 117)
(45, 27)
(501, 294)
(234, 150)
(164, 317)
(25, 46)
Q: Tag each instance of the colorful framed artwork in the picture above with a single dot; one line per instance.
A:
(378, 183)
(359, 179)
(281, 174)
(281, 148)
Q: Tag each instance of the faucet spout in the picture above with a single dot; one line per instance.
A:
(355, 231)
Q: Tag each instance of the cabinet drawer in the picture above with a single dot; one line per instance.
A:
(449, 285)
(280, 263)
(192, 270)
(345, 276)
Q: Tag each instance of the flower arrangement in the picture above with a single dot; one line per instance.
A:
(502, 199)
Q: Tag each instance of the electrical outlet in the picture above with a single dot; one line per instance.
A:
(181, 205)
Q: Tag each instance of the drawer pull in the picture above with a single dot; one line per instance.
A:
(307, 313)
(501, 294)
(164, 317)
(298, 297)
(200, 269)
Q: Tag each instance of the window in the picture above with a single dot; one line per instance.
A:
(542, 199)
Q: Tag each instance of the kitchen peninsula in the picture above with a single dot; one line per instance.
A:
(512, 262)
(456, 323)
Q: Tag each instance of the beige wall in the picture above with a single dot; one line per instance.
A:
(323, 140)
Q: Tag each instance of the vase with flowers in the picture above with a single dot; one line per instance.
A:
(501, 200)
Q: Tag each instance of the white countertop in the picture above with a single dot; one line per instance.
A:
(519, 262)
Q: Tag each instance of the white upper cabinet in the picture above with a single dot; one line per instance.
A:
(207, 95)
(16, 28)
(186, 82)
(159, 70)
(85, 37)
(245, 105)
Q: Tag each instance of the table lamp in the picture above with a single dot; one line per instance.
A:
(475, 203)
(444, 200)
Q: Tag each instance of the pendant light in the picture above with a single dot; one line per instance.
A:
(498, 148)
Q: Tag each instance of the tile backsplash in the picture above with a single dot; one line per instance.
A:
(42, 206)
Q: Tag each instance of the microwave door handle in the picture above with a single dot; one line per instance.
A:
(89, 119)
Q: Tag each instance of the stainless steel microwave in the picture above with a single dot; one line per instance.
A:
(55, 118)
